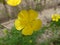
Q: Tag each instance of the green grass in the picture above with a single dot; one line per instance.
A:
(15, 37)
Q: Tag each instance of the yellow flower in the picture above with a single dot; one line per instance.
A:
(13, 2)
(55, 17)
(27, 22)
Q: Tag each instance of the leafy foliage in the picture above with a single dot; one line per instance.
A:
(14, 37)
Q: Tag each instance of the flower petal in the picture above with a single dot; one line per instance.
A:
(33, 14)
(57, 20)
(37, 24)
(27, 31)
(13, 2)
(23, 15)
(18, 25)
(55, 17)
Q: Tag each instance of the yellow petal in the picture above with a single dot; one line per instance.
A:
(58, 16)
(53, 16)
(27, 31)
(23, 22)
(13, 2)
(37, 24)
(18, 25)
(53, 19)
(33, 14)
(23, 15)
(57, 20)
